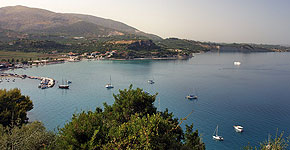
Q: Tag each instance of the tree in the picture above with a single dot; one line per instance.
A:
(192, 140)
(132, 122)
(128, 102)
(83, 128)
(31, 136)
(14, 107)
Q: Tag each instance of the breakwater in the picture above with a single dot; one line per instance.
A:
(44, 81)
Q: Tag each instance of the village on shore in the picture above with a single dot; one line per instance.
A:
(76, 57)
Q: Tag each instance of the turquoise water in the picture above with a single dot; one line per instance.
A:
(255, 94)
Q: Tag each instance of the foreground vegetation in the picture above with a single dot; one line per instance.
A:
(277, 143)
(132, 122)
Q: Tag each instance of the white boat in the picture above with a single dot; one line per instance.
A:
(215, 135)
(190, 97)
(151, 81)
(237, 63)
(109, 85)
(239, 128)
(63, 86)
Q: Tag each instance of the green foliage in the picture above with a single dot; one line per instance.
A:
(86, 130)
(128, 102)
(132, 122)
(192, 140)
(278, 143)
(32, 136)
(148, 132)
(14, 107)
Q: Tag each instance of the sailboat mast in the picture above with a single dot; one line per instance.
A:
(217, 130)
(110, 79)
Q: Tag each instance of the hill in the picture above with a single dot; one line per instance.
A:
(34, 20)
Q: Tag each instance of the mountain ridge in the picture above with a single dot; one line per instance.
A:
(25, 19)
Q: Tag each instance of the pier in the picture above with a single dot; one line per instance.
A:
(44, 83)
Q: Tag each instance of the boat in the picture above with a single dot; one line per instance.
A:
(237, 63)
(215, 135)
(190, 97)
(109, 85)
(151, 81)
(239, 128)
(63, 86)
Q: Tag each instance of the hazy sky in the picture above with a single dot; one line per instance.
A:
(252, 21)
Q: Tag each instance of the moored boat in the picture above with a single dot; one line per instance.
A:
(190, 97)
(237, 63)
(151, 81)
(239, 128)
(109, 85)
(215, 135)
(63, 86)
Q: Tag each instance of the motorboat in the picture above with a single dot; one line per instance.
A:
(190, 97)
(237, 63)
(151, 81)
(239, 128)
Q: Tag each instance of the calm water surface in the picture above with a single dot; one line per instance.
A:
(255, 94)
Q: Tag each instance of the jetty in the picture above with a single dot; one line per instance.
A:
(44, 81)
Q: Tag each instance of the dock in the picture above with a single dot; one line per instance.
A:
(45, 82)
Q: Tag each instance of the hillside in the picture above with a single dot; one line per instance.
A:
(34, 20)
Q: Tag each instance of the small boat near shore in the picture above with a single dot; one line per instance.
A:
(63, 86)
(238, 128)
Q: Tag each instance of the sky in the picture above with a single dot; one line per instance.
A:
(241, 21)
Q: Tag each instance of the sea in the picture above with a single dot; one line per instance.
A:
(254, 94)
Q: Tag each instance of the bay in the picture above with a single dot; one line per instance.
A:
(254, 94)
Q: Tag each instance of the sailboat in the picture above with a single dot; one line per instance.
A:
(191, 96)
(215, 135)
(63, 86)
(109, 86)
